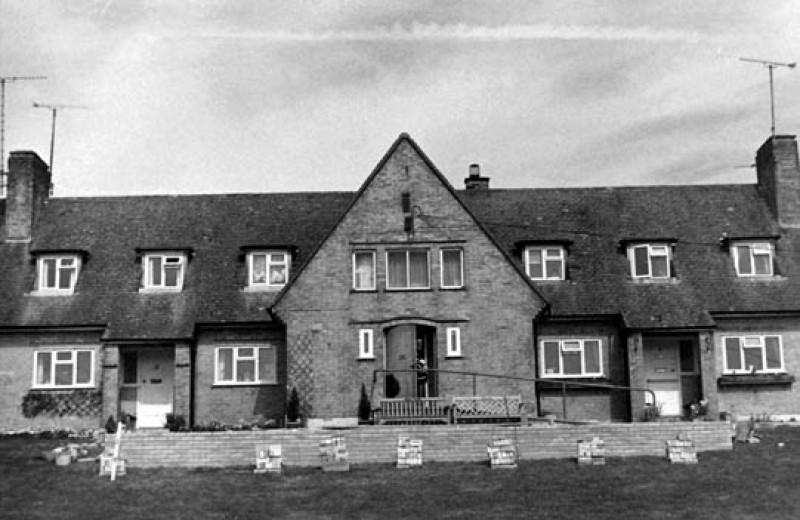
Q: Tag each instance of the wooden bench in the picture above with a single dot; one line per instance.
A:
(413, 411)
(474, 409)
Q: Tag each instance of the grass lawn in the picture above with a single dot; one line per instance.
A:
(755, 481)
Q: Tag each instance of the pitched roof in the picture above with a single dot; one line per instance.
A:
(595, 224)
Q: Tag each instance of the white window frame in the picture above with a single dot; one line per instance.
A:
(356, 274)
(54, 361)
(366, 344)
(543, 250)
(460, 252)
(270, 261)
(407, 251)
(167, 258)
(453, 342)
(763, 248)
(566, 345)
(237, 356)
(756, 341)
(650, 254)
(58, 266)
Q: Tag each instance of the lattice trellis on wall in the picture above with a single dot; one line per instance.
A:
(301, 371)
(79, 403)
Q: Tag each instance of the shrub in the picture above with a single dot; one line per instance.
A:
(364, 406)
(293, 408)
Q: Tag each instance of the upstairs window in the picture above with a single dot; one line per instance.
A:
(753, 259)
(545, 263)
(58, 273)
(67, 368)
(164, 271)
(452, 268)
(650, 261)
(246, 365)
(364, 270)
(268, 269)
(753, 354)
(407, 269)
(571, 358)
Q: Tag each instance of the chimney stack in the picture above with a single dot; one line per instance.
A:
(28, 188)
(779, 178)
(475, 181)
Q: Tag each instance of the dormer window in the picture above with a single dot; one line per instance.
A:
(650, 261)
(545, 262)
(267, 270)
(753, 259)
(164, 271)
(57, 273)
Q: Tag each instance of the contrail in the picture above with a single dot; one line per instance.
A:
(435, 32)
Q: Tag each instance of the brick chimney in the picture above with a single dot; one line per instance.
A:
(779, 178)
(475, 181)
(28, 188)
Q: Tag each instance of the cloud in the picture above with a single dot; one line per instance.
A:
(417, 31)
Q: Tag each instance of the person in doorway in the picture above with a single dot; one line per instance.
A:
(421, 367)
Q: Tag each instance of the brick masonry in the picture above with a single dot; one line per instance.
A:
(378, 444)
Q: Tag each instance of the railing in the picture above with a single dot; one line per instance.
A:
(562, 382)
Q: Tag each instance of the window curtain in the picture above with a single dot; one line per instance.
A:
(418, 268)
(451, 268)
(365, 276)
(266, 364)
(397, 269)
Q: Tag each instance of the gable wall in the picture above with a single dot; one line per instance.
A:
(323, 315)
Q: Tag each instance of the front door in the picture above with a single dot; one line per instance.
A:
(156, 380)
(662, 374)
(401, 353)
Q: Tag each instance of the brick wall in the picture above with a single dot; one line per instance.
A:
(16, 378)
(378, 444)
(229, 404)
(323, 315)
(762, 399)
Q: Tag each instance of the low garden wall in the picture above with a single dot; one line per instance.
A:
(378, 444)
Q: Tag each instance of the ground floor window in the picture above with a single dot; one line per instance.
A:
(571, 358)
(245, 364)
(753, 354)
(67, 368)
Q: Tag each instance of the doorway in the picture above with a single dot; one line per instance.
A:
(147, 385)
(672, 372)
(411, 347)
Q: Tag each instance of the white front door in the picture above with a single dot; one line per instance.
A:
(662, 372)
(156, 386)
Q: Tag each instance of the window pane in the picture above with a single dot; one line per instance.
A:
(50, 273)
(551, 357)
(277, 274)
(129, 367)
(225, 364)
(43, 360)
(84, 369)
(65, 277)
(554, 269)
(259, 267)
(64, 373)
(451, 268)
(535, 266)
(745, 264)
(660, 266)
(762, 263)
(246, 370)
(364, 271)
(266, 364)
(418, 268)
(397, 269)
(246, 352)
(155, 270)
(172, 275)
(732, 356)
(687, 356)
(591, 352)
(640, 267)
(753, 359)
(572, 362)
(63, 356)
(773, 349)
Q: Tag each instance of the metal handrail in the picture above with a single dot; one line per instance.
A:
(562, 382)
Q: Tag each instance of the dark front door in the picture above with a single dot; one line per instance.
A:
(410, 351)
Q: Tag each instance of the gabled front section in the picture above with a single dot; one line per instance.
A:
(408, 278)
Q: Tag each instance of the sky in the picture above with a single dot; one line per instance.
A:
(190, 96)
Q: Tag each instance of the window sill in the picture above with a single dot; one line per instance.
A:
(556, 382)
(365, 358)
(363, 291)
(52, 292)
(259, 289)
(760, 278)
(160, 290)
(239, 385)
(409, 289)
(460, 288)
(71, 387)
(657, 281)
(755, 379)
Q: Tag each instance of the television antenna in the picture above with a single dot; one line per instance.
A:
(771, 65)
(3, 81)
(54, 109)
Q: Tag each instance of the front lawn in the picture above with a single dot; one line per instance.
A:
(755, 481)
